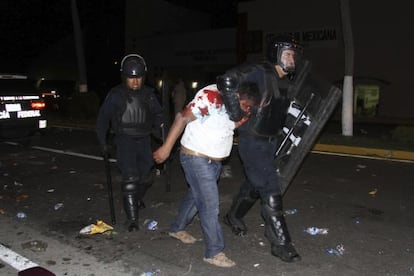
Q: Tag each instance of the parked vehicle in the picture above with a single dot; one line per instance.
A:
(22, 110)
(56, 93)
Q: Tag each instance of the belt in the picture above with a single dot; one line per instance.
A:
(194, 153)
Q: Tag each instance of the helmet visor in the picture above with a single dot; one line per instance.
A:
(288, 59)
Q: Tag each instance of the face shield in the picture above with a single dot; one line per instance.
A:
(288, 57)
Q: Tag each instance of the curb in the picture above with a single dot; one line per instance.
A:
(340, 149)
(372, 152)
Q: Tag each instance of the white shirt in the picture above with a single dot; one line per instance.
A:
(212, 132)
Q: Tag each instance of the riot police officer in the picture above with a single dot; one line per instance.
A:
(257, 140)
(131, 112)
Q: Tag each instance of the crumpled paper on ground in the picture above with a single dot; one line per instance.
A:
(98, 228)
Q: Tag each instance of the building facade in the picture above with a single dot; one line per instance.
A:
(382, 46)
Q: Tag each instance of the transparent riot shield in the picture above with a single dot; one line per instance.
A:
(313, 101)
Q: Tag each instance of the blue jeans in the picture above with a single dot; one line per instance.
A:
(202, 175)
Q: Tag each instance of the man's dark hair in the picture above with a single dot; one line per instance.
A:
(249, 91)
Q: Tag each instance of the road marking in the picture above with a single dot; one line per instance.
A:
(112, 160)
(66, 152)
(15, 260)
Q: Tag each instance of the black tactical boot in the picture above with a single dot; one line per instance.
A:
(238, 209)
(276, 230)
(131, 210)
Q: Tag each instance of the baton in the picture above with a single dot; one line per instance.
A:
(109, 186)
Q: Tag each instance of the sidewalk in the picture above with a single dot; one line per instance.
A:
(384, 141)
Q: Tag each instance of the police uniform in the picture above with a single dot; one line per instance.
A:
(131, 115)
(257, 145)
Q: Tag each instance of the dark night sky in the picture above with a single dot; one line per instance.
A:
(30, 26)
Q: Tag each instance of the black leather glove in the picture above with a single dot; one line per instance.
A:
(228, 85)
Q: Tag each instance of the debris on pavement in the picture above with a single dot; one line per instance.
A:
(21, 215)
(339, 250)
(18, 184)
(373, 192)
(98, 228)
(21, 198)
(151, 224)
(151, 273)
(316, 231)
(35, 245)
(290, 211)
(58, 206)
(157, 205)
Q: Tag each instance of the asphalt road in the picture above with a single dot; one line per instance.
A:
(365, 205)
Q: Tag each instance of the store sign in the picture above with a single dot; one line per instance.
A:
(314, 38)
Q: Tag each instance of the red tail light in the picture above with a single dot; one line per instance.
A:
(38, 105)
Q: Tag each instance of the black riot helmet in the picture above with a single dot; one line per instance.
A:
(277, 45)
(133, 66)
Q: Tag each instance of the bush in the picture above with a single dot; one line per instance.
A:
(403, 134)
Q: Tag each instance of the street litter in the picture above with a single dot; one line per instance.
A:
(58, 206)
(373, 192)
(157, 205)
(256, 265)
(339, 250)
(316, 231)
(151, 273)
(98, 228)
(18, 184)
(35, 246)
(151, 225)
(2, 212)
(21, 215)
(291, 211)
(21, 198)
(50, 190)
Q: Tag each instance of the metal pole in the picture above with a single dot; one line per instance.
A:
(295, 124)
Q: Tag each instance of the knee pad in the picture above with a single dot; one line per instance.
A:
(274, 201)
(130, 184)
